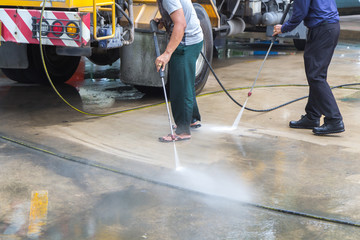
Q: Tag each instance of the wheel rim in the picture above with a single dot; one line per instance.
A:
(200, 62)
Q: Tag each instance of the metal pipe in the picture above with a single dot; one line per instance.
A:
(220, 6)
(153, 26)
(235, 9)
(130, 19)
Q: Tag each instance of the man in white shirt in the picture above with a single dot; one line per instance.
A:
(186, 41)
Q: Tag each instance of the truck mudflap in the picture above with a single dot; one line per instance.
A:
(59, 28)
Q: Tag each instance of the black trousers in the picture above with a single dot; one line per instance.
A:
(319, 49)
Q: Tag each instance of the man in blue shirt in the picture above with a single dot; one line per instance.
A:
(322, 19)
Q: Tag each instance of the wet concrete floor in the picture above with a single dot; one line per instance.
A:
(65, 175)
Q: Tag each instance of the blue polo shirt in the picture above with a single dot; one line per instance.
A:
(313, 12)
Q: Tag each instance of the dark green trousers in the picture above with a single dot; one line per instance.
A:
(182, 67)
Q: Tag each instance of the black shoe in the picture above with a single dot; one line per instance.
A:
(305, 123)
(330, 127)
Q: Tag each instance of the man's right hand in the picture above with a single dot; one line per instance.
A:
(277, 29)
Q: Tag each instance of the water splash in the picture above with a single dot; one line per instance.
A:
(222, 129)
(179, 169)
(216, 183)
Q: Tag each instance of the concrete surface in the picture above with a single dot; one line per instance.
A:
(112, 179)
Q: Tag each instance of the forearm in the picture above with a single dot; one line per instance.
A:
(175, 39)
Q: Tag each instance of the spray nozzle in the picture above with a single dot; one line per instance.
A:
(249, 94)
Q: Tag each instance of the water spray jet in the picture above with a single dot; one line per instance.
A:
(238, 118)
(243, 107)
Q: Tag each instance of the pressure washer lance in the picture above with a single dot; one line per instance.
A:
(154, 27)
(237, 120)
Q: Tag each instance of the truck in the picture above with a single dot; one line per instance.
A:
(105, 31)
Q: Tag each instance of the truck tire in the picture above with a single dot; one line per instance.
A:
(299, 44)
(60, 68)
(15, 74)
(202, 70)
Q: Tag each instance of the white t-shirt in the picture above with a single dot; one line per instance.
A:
(193, 32)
